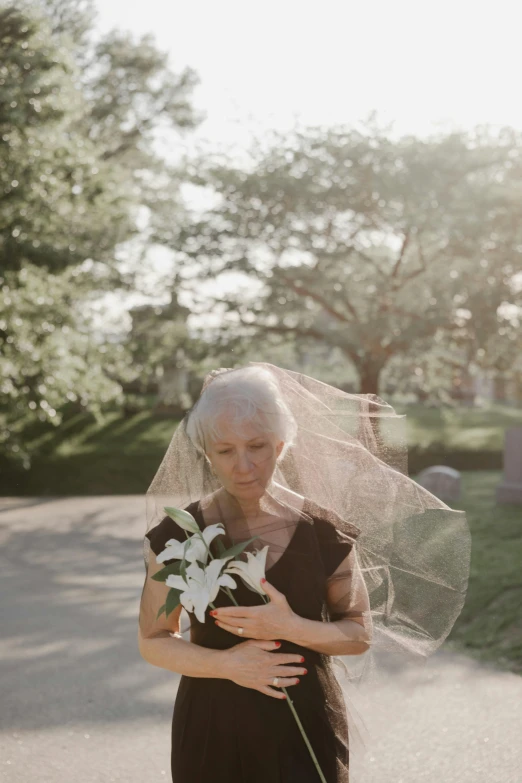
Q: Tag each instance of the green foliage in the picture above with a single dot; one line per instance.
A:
(119, 455)
(490, 625)
(164, 574)
(77, 167)
(237, 549)
(373, 246)
(71, 20)
(49, 356)
(130, 88)
(172, 601)
(62, 203)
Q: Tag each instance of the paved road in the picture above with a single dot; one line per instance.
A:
(79, 704)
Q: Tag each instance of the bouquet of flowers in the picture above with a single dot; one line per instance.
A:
(194, 582)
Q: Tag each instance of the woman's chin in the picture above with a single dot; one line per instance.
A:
(254, 489)
(254, 486)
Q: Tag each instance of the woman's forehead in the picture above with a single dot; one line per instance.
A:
(230, 431)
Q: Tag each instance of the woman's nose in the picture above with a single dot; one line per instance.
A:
(244, 463)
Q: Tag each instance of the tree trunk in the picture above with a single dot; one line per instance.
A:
(369, 374)
(370, 435)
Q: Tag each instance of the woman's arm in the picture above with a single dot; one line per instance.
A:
(178, 655)
(339, 637)
(251, 664)
(347, 633)
(155, 643)
(347, 599)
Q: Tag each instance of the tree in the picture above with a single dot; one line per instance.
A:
(60, 204)
(50, 357)
(370, 245)
(77, 168)
(71, 21)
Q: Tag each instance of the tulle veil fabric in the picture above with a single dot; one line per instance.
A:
(407, 569)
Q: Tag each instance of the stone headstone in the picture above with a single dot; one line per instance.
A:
(510, 488)
(442, 481)
(173, 391)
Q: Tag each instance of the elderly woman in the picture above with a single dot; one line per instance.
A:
(360, 561)
(231, 720)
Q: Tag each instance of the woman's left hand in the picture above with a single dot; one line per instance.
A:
(270, 621)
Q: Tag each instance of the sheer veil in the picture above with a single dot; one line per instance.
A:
(399, 559)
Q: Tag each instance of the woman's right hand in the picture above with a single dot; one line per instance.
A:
(252, 664)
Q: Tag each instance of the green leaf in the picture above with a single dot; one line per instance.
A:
(183, 563)
(237, 549)
(172, 600)
(162, 575)
(160, 610)
(220, 547)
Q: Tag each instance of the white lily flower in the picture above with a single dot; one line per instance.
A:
(252, 571)
(201, 586)
(197, 547)
(173, 550)
(182, 518)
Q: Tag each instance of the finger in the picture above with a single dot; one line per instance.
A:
(290, 658)
(235, 611)
(272, 692)
(270, 590)
(265, 644)
(234, 629)
(235, 622)
(288, 671)
(284, 682)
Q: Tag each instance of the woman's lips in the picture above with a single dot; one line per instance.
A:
(246, 483)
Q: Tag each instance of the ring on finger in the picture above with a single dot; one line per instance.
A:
(275, 681)
(240, 630)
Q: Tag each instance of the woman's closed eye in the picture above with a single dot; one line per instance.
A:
(256, 446)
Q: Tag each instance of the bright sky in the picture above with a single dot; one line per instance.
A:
(416, 63)
(422, 65)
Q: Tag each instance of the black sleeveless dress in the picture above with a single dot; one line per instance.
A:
(225, 733)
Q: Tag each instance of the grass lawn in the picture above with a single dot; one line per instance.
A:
(490, 625)
(120, 455)
(460, 428)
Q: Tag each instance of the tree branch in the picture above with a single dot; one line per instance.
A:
(284, 329)
(302, 290)
(398, 263)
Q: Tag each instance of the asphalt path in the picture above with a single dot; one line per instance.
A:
(78, 703)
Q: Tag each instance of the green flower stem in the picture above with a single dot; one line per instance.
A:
(301, 729)
(227, 591)
(300, 725)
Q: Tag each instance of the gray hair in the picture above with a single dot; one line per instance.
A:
(246, 394)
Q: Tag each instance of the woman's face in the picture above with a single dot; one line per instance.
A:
(244, 462)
